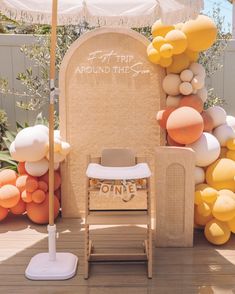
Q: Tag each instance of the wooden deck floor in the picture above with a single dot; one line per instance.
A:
(202, 269)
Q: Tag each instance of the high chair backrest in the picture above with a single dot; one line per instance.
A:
(118, 157)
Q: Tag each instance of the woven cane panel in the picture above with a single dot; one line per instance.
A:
(110, 94)
(175, 183)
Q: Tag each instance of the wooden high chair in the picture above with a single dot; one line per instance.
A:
(116, 166)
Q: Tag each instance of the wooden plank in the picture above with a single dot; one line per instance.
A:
(118, 219)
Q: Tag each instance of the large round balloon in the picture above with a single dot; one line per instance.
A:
(39, 213)
(178, 41)
(217, 232)
(207, 149)
(3, 213)
(171, 84)
(220, 174)
(9, 196)
(201, 33)
(185, 125)
(31, 144)
(57, 179)
(162, 116)
(208, 121)
(19, 208)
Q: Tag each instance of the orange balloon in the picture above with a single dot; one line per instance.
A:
(20, 208)
(7, 176)
(26, 196)
(9, 196)
(26, 182)
(57, 179)
(21, 168)
(171, 142)
(192, 101)
(162, 116)
(3, 213)
(38, 196)
(43, 186)
(58, 194)
(208, 122)
(185, 125)
(39, 213)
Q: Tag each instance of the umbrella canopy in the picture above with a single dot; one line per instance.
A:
(130, 13)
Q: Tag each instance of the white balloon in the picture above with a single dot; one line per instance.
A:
(218, 115)
(37, 168)
(31, 144)
(42, 128)
(223, 133)
(230, 120)
(65, 148)
(199, 174)
(13, 152)
(207, 149)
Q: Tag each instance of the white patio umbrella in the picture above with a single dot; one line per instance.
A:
(130, 13)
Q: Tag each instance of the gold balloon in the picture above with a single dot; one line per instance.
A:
(159, 29)
(180, 62)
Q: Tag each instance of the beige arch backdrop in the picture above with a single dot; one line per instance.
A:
(110, 94)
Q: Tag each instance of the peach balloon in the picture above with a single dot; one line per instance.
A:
(9, 196)
(7, 176)
(20, 208)
(38, 196)
(39, 213)
(43, 186)
(171, 142)
(185, 125)
(3, 213)
(26, 182)
(192, 101)
(26, 196)
(162, 116)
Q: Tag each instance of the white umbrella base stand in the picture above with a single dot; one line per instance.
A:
(52, 265)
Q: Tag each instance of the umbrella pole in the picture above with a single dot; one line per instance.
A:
(52, 265)
(51, 226)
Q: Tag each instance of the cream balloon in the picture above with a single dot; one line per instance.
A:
(171, 84)
(218, 115)
(173, 101)
(198, 82)
(202, 93)
(186, 88)
(199, 175)
(197, 69)
(186, 75)
(207, 149)
(58, 157)
(223, 133)
(65, 148)
(42, 128)
(31, 144)
(37, 168)
(230, 120)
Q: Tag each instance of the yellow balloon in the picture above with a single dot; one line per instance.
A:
(178, 40)
(179, 26)
(159, 29)
(230, 154)
(217, 232)
(201, 187)
(220, 174)
(231, 144)
(231, 225)
(204, 209)
(201, 33)
(165, 62)
(198, 197)
(224, 208)
(158, 42)
(201, 220)
(153, 55)
(193, 55)
(166, 50)
(180, 62)
(209, 195)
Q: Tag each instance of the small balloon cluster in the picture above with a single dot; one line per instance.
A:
(27, 190)
(175, 47)
(209, 133)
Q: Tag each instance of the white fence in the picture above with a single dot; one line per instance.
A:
(12, 61)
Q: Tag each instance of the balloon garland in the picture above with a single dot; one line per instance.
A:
(210, 133)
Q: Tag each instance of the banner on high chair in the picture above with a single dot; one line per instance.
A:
(126, 191)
